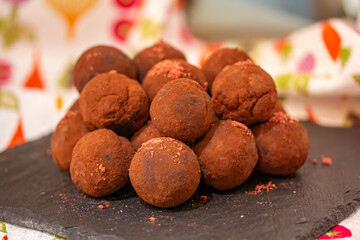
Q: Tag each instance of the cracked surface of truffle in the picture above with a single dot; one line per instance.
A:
(168, 70)
(181, 110)
(69, 130)
(244, 92)
(164, 172)
(220, 59)
(148, 57)
(227, 154)
(114, 101)
(282, 143)
(101, 59)
(100, 163)
(147, 132)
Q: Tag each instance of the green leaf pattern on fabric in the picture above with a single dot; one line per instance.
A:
(65, 79)
(344, 56)
(2, 227)
(9, 100)
(293, 81)
(286, 52)
(58, 238)
(151, 29)
(357, 78)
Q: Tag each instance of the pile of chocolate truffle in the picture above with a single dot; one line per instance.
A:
(166, 124)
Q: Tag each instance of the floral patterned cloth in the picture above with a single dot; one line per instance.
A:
(316, 69)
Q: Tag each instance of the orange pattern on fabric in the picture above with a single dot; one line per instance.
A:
(310, 114)
(34, 80)
(332, 40)
(59, 102)
(18, 137)
(5, 237)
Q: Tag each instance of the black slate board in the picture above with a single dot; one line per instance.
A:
(36, 194)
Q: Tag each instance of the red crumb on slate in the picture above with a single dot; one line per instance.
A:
(204, 197)
(260, 187)
(101, 206)
(152, 219)
(286, 184)
(314, 161)
(326, 160)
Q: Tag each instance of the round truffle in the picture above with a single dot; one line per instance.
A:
(282, 143)
(220, 59)
(245, 93)
(69, 130)
(227, 154)
(164, 172)
(168, 70)
(114, 101)
(75, 106)
(101, 59)
(100, 163)
(278, 107)
(147, 132)
(181, 110)
(148, 57)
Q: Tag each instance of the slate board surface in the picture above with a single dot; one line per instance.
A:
(36, 194)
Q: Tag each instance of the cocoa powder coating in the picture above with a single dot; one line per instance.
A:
(220, 59)
(100, 163)
(69, 130)
(181, 110)
(244, 92)
(101, 59)
(283, 145)
(114, 101)
(148, 57)
(164, 172)
(227, 154)
(168, 70)
(147, 132)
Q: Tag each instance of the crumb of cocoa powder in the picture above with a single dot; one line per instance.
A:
(326, 160)
(260, 187)
(100, 207)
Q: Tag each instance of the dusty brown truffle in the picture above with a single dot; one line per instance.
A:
(75, 106)
(69, 130)
(278, 107)
(282, 143)
(148, 57)
(101, 59)
(164, 172)
(219, 59)
(227, 154)
(181, 110)
(114, 101)
(100, 163)
(244, 92)
(147, 132)
(168, 70)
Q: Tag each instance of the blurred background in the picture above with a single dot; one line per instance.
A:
(310, 47)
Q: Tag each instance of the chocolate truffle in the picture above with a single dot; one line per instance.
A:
(227, 154)
(147, 132)
(219, 59)
(69, 130)
(148, 57)
(114, 101)
(164, 172)
(245, 93)
(279, 108)
(101, 59)
(181, 110)
(282, 143)
(168, 70)
(75, 106)
(100, 163)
